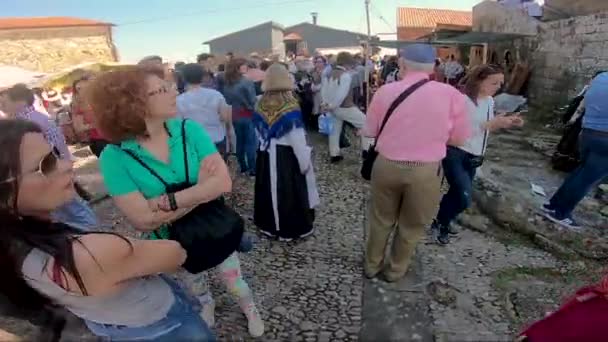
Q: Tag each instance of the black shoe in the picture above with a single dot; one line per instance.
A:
(441, 233)
(364, 154)
(337, 159)
(442, 237)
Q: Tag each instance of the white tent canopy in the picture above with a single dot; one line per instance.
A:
(334, 51)
(11, 75)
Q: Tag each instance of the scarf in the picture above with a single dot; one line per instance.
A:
(276, 114)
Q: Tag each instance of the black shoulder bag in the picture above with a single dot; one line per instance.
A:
(372, 154)
(210, 232)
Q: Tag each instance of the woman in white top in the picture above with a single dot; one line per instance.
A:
(461, 163)
(204, 105)
(115, 284)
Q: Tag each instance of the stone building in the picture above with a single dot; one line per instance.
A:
(273, 38)
(562, 54)
(265, 38)
(51, 44)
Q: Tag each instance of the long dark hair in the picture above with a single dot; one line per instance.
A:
(233, 74)
(19, 235)
(472, 81)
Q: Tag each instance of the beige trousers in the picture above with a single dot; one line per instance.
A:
(404, 197)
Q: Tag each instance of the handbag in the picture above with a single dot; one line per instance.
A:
(372, 154)
(475, 161)
(210, 232)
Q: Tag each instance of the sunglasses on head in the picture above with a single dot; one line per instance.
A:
(46, 166)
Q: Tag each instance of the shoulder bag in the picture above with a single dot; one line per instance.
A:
(209, 233)
(372, 154)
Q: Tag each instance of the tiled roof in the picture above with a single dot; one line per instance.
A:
(430, 17)
(46, 22)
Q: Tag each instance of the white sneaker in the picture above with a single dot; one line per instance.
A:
(255, 323)
(208, 312)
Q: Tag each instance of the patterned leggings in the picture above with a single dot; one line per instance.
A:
(230, 273)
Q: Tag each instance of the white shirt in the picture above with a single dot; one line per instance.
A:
(479, 114)
(334, 91)
(204, 106)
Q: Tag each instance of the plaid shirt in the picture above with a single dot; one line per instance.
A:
(52, 133)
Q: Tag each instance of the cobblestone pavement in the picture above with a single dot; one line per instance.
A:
(313, 290)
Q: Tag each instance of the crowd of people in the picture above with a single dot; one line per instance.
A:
(163, 138)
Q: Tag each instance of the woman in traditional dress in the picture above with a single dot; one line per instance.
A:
(285, 187)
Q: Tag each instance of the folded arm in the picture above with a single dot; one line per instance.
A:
(213, 181)
(105, 260)
(144, 217)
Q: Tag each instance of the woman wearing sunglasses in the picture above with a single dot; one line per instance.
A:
(109, 281)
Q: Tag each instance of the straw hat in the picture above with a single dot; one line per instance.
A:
(277, 78)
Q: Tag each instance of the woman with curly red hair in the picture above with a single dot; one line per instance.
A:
(151, 150)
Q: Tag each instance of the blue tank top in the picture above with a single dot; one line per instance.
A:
(596, 104)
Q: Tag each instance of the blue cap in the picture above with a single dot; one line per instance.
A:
(419, 53)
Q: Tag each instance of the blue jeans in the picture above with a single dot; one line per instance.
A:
(593, 168)
(76, 213)
(246, 144)
(459, 173)
(182, 323)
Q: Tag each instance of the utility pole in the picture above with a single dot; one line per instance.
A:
(367, 54)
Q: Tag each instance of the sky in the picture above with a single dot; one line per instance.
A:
(176, 30)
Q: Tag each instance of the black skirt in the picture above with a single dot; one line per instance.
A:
(295, 216)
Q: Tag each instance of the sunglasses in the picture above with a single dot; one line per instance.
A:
(46, 166)
(162, 90)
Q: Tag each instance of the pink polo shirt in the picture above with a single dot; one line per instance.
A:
(421, 126)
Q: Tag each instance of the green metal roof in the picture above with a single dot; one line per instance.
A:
(469, 38)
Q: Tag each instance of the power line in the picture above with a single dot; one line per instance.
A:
(381, 17)
(219, 10)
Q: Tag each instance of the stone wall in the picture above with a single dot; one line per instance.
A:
(490, 16)
(54, 49)
(555, 9)
(569, 52)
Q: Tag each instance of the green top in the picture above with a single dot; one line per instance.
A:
(123, 175)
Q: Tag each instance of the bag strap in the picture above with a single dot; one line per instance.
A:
(141, 162)
(154, 173)
(396, 104)
(485, 134)
(184, 146)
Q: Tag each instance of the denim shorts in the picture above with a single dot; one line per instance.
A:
(182, 323)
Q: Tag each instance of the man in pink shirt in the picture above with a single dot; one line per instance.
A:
(406, 178)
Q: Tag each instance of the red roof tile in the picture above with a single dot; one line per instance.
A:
(45, 22)
(430, 17)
